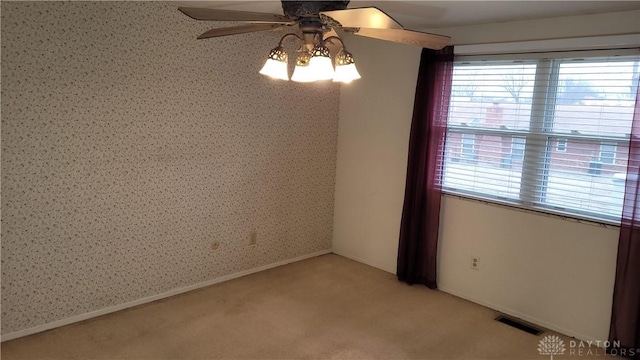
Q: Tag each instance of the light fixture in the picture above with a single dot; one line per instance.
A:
(276, 65)
(320, 62)
(303, 72)
(313, 62)
(345, 67)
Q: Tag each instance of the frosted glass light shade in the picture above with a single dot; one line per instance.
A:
(303, 74)
(320, 63)
(345, 67)
(346, 73)
(321, 67)
(276, 65)
(275, 69)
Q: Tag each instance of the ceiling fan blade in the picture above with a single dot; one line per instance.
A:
(411, 37)
(231, 15)
(238, 30)
(367, 17)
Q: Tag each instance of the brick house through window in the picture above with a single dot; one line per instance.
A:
(574, 153)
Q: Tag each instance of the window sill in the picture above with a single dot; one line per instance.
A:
(541, 212)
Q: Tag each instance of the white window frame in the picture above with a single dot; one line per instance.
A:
(533, 177)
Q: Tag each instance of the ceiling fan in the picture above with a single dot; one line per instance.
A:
(317, 22)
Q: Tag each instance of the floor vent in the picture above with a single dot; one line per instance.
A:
(518, 324)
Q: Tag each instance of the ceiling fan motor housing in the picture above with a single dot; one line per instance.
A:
(308, 15)
(301, 9)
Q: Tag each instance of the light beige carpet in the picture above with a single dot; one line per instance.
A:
(327, 307)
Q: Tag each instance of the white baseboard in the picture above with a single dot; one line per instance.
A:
(89, 315)
(517, 314)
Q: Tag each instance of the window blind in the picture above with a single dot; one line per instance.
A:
(549, 133)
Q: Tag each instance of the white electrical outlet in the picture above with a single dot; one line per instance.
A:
(475, 263)
(253, 238)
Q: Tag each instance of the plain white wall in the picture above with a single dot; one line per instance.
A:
(373, 136)
(549, 271)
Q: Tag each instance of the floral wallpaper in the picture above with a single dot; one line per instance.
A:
(129, 148)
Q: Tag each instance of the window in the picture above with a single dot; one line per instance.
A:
(517, 149)
(607, 152)
(561, 145)
(468, 144)
(510, 115)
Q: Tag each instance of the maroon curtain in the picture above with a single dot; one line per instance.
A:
(421, 211)
(625, 315)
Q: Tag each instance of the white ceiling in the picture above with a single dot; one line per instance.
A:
(419, 15)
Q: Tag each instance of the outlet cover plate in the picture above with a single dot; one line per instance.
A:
(475, 262)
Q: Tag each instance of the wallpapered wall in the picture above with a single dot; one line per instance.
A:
(128, 147)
